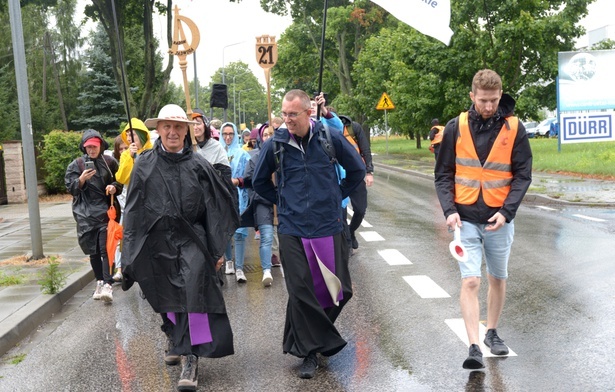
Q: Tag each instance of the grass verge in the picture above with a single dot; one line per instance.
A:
(592, 160)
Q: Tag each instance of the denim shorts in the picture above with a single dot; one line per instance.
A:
(495, 245)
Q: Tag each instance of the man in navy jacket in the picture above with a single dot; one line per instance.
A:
(313, 250)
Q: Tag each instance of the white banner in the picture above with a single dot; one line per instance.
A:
(587, 127)
(430, 17)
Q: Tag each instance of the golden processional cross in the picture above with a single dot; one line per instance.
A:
(180, 39)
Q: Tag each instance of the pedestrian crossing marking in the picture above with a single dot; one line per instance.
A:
(371, 236)
(459, 328)
(589, 218)
(394, 257)
(425, 287)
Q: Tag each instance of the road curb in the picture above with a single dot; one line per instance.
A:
(407, 171)
(21, 323)
(529, 197)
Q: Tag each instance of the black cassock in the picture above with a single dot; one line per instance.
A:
(309, 326)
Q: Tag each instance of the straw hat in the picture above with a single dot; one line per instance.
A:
(169, 112)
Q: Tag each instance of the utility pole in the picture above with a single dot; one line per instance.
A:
(25, 120)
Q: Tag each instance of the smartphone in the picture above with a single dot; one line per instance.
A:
(89, 165)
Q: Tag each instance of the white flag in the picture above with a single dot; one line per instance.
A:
(430, 17)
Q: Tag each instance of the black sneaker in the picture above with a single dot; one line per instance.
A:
(353, 240)
(188, 380)
(170, 359)
(493, 341)
(309, 366)
(474, 359)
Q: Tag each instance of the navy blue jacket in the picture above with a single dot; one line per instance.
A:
(310, 196)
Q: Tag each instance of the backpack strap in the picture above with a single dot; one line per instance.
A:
(278, 153)
(324, 136)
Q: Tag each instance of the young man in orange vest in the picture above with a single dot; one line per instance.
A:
(435, 135)
(482, 173)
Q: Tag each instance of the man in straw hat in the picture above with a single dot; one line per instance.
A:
(179, 216)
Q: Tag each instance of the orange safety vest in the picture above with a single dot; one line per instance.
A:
(495, 176)
(351, 140)
(437, 139)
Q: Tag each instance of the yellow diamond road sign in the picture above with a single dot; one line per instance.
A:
(385, 103)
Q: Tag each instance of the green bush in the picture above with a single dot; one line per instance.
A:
(60, 149)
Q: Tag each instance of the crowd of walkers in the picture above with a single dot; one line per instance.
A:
(187, 210)
(188, 201)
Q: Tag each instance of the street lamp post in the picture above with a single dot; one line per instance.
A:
(241, 91)
(223, 49)
(234, 111)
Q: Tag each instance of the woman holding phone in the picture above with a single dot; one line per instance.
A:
(91, 179)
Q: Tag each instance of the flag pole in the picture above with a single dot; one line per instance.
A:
(124, 79)
(322, 54)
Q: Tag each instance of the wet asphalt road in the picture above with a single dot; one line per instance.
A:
(559, 318)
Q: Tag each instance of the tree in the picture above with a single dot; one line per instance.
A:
(100, 102)
(136, 13)
(34, 22)
(520, 40)
(51, 42)
(348, 25)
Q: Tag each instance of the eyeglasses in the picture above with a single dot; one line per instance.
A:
(293, 116)
(228, 134)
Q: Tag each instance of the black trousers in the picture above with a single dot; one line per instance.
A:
(99, 260)
(358, 200)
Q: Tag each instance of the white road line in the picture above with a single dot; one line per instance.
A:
(425, 287)
(589, 218)
(459, 328)
(370, 236)
(546, 208)
(366, 224)
(394, 257)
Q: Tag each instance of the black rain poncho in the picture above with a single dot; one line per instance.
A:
(178, 218)
(90, 203)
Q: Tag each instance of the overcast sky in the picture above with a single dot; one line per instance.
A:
(222, 24)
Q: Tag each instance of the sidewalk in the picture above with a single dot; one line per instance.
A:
(23, 307)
